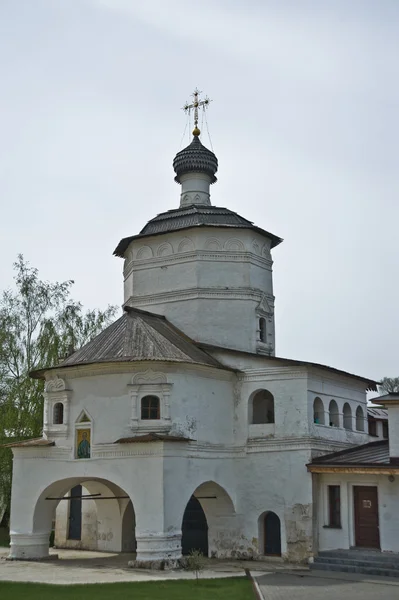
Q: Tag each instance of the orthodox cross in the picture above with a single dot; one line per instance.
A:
(195, 105)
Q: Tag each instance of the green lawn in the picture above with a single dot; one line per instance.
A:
(233, 588)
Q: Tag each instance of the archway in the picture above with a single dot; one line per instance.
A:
(209, 522)
(271, 530)
(194, 529)
(92, 514)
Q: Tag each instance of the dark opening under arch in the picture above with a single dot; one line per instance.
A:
(194, 528)
(272, 534)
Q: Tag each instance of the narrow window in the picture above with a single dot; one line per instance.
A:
(150, 409)
(333, 414)
(58, 414)
(373, 428)
(318, 411)
(347, 412)
(262, 329)
(385, 433)
(359, 419)
(334, 505)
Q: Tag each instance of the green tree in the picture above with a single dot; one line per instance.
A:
(388, 385)
(39, 325)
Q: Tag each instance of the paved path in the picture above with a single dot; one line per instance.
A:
(326, 586)
(98, 567)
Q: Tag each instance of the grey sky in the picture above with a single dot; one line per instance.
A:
(304, 123)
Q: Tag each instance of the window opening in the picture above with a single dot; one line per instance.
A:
(373, 428)
(333, 414)
(150, 408)
(318, 411)
(262, 329)
(359, 419)
(263, 407)
(58, 414)
(385, 430)
(334, 505)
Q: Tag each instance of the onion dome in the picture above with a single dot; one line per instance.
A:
(195, 159)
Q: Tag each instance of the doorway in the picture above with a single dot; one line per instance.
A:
(272, 534)
(75, 514)
(367, 532)
(194, 528)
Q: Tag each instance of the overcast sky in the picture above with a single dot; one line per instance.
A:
(304, 121)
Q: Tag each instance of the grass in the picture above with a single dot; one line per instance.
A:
(233, 588)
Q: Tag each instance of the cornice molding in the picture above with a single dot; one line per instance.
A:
(242, 256)
(197, 294)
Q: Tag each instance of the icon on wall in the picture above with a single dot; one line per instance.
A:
(83, 440)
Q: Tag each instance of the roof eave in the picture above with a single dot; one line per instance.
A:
(125, 242)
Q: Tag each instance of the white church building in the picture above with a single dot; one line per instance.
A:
(177, 427)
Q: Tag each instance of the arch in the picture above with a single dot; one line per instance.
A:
(186, 245)
(110, 511)
(333, 414)
(208, 514)
(261, 407)
(347, 413)
(164, 249)
(144, 252)
(150, 408)
(359, 419)
(212, 244)
(270, 534)
(318, 411)
(262, 329)
(234, 245)
(58, 413)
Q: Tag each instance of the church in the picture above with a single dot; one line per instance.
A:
(178, 428)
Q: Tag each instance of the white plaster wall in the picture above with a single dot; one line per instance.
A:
(206, 281)
(200, 397)
(388, 494)
(393, 428)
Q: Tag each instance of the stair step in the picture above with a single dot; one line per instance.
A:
(358, 562)
(359, 554)
(344, 568)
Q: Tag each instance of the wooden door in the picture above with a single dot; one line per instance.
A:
(367, 533)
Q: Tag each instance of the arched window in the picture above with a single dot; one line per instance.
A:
(347, 412)
(333, 414)
(262, 329)
(150, 408)
(263, 407)
(58, 414)
(318, 411)
(359, 419)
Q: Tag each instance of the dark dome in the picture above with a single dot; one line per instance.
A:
(195, 158)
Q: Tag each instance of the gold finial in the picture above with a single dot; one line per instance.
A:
(195, 105)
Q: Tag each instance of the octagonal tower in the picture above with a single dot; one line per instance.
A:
(206, 268)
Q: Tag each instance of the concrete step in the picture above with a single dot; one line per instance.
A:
(355, 561)
(360, 554)
(344, 568)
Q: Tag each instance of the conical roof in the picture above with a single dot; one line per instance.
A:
(138, 336)
(195, 159)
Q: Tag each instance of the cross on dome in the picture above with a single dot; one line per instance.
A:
(195, 105)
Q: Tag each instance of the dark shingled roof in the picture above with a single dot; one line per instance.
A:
(377, 413)
(374, 453)
(194, 216)
(152, 437)
(138, 336)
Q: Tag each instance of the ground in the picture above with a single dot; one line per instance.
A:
(221, 579)
(326, 586)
